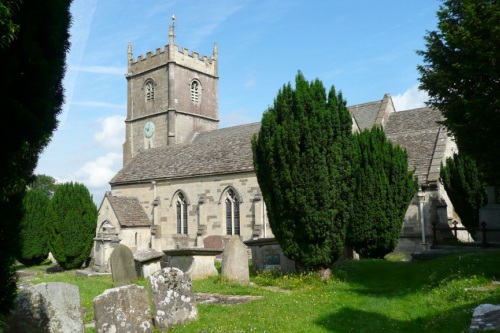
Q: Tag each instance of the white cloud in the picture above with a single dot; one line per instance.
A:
(100, 69)
(97, 173)
(111, 133)
(411, 99)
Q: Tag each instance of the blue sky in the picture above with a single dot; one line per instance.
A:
(365, 48)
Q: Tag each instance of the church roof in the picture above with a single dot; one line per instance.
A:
(423, 137)
(365, 114)
(128, 211)
(222, 151)
(228, 150)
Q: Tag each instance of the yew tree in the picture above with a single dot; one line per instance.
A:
(384, 188)
(34, 39)
(461, 73)
(302, 160)
(71, 223)
(466, 188)
(33, 236)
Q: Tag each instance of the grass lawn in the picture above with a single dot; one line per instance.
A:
(363, 296)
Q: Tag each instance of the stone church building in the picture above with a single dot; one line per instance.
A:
(184, 179)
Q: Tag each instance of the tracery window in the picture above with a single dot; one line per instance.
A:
(149, 90)
(195, 92)
(232, 213)
(182, 215)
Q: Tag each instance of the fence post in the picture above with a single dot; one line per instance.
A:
(434, 233)
(455, 229)
(485, 242)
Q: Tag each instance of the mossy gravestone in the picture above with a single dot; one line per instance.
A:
(47, 307)
(122, 266)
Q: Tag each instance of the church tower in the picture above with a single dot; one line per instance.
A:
(171, 95)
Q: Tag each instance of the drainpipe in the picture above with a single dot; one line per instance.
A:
(154, 213)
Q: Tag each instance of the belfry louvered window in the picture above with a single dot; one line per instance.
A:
(232, 213)
(182, 215)
(195, 92)
(150, 90)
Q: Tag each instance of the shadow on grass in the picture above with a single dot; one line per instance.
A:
(394, 279)
(359, 321)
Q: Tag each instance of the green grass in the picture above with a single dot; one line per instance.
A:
(363, 296)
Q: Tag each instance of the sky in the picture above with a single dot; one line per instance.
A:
(364, 48)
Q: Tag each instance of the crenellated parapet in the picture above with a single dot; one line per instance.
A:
(180, 56)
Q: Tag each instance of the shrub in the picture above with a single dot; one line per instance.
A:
(71, 222)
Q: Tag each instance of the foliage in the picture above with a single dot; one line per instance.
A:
(466, 188)
(303, 165)
(71, 221)
(462, 77)
(371, 295)
(8, 28)
(44, 183)
(383, 191)
(32, 96)
(34, 247)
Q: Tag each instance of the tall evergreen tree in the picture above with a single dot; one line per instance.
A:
(466, 188)
(33, 236)
(33, 65)
(71, 222)
(461, 74)
(302, 160)
(383, 191)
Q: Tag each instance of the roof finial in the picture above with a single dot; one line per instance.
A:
(171, 34)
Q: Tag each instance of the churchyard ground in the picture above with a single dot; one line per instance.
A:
(362, 296)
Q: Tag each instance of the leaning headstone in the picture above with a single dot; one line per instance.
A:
(122, 310)
(173, 298)
(485, 317)
(235, 261)
(122, 266)
(47, 307)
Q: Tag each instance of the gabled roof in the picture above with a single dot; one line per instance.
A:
(419, 131)
(228, 150)
(365, 114)
(222, 151)
(129, 211)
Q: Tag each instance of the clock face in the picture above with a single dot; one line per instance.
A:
(149, 129)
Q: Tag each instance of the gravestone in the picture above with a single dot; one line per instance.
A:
(485, 317)
(47, 307)
(235, 261)
(123, 309)
(173, 298)
(122, 266)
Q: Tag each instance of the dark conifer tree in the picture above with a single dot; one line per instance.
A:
(383, 191)
(302, 160)
(33, 237)
(466, 188)
(33, 65)
(71, 222)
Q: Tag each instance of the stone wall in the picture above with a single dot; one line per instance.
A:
(206, 208)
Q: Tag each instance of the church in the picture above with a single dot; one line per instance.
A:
(184, 178)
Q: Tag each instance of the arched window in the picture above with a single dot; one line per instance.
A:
(232, 213)
(195, 92)
(182, 215)
(149, 88)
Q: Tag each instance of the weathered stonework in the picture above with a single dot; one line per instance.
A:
(173, 298)
(123, 310)
(46, 308)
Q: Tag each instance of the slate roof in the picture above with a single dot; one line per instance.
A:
(128, 211)
(365, 114)
(423, 137)
(222, 151)
(228, 150)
